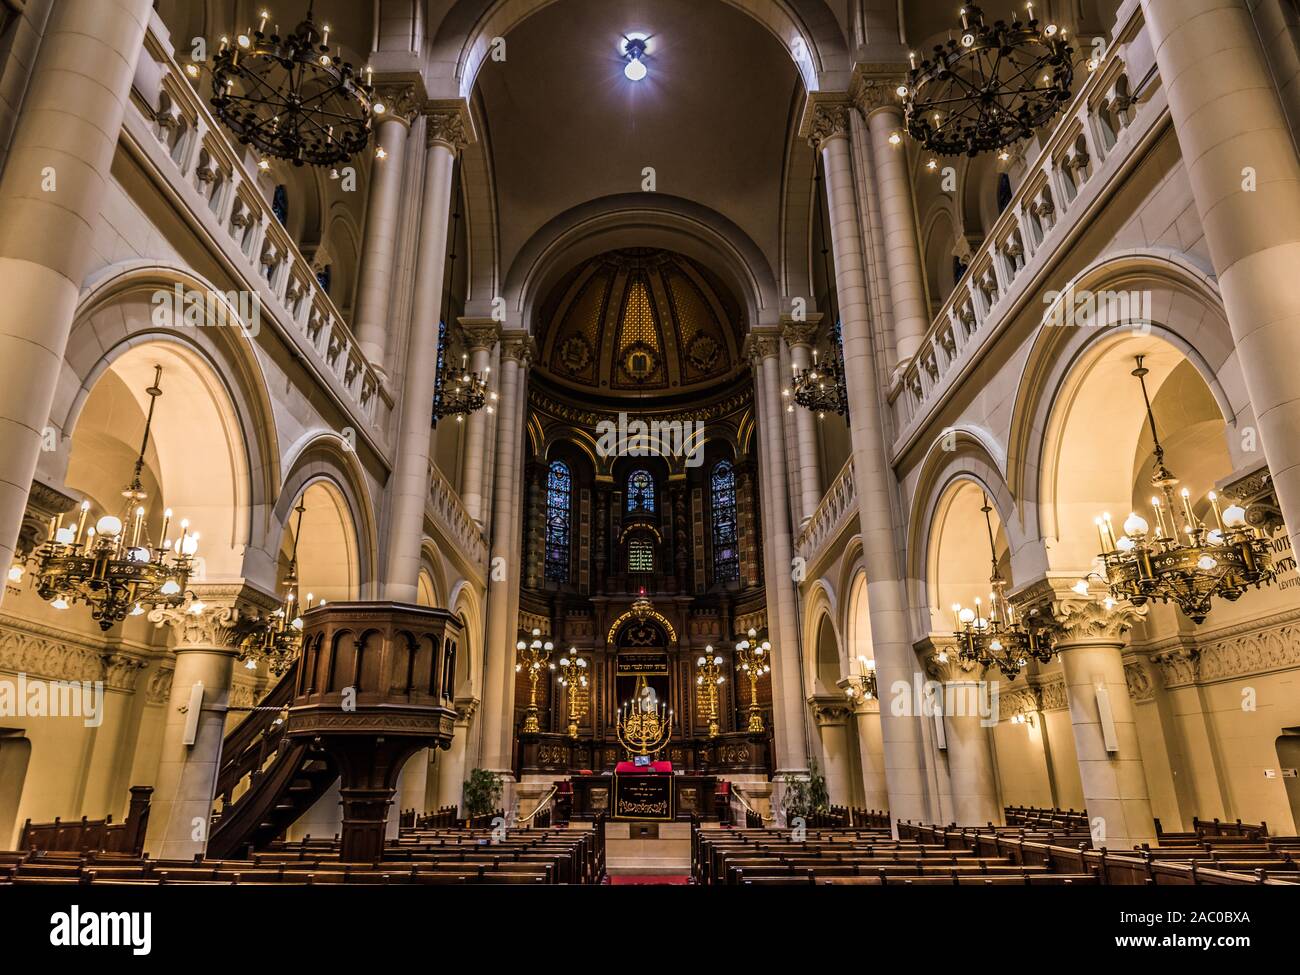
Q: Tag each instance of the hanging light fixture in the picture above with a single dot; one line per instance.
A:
(633, 47)
(862, 685)
(461, 392)
(998, 639)
(293, 97)
(276, 638)
(112, 566)
(1183, 561)
(992, 85)
(818, 388)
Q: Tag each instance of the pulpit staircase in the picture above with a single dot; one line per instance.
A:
(286, 777)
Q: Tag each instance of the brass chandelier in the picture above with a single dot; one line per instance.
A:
(573, 678)
(114, 569)
(709, 675)
(862, 685)
(1183, 561)
(292, 96)
(753, 659)
(461, 392)
(276, 638)
(999, 639)
(535, 655)
(989, 87)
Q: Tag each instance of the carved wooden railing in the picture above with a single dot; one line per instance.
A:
(209, 176)
(1111, 114)
(252, 743)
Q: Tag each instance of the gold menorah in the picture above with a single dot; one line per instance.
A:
(641, 729)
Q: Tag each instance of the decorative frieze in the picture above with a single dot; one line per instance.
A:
(54, 654)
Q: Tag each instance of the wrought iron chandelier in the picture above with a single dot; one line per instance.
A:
(293, 97)
(992, 85)
(818, 388)
(1183, 562)
(862, 685)
(461, 392)
(117, 571)
(999, 639)
(277, 637)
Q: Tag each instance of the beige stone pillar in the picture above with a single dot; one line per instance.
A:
(879, 103)
(205, 645)
(482, 335)
(1245, 178)
(969, 713)
(800, 336)
(788, 711)
(833, 727)
(871, 755)
(379, 249)
(1090, 643)
(896, 663)
(50, 197)
(448, 128)
(451, 764)
(507, 544)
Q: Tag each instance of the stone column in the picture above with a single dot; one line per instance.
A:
(871, 753)
(904, 743)
(833, 726)
(451, 764)
(878, 101)
(964, 702)
(1245, 178)
(50, 197)
(206, 644)
(379, 248)
(1090, 642)
(448, 131)
(788, 711)
(481, 334)
(507, 542)
(800, 336)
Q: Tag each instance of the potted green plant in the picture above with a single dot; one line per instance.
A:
(805, 796)
(482, 793)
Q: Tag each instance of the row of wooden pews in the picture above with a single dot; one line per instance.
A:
(867, 856)
(418, 857)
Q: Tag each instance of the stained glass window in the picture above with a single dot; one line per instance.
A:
(726, 554)
(640, 555)
(640, 492)
(559, 490)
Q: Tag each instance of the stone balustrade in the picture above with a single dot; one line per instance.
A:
(449, 514)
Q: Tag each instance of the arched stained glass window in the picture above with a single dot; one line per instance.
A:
(640, 492)
(640, 555)
(726, 554)
(559, 491)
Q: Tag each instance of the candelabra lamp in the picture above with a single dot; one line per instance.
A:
(573, 676)
(1187, 564)
(752, 659)
(535, 657)
(818, 388)
(117, 571)
(461, 392)
(643, 725)
(708, 674)
(277, 637)
(862, 685)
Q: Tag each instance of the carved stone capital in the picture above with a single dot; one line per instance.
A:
(1138, 678)
(796, 332)
(122, 670)
(942, 662)
(481, 334)
(401, 104)
(1179, 666)
(466, 708)
(448, 124)
(1023, 700)
(158, 688)
(762, 344)
(827, 119)
(875, 87)
(830, 711)
(518, 346)
(214, 617)
(1076, 619)
(1254, 491)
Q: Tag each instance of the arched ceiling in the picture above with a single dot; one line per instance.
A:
(711, 119)
(637, 320)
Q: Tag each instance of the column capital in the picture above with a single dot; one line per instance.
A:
(830, 712)
(1077, 619)
(401, 103)
(518, 346)
(481, 334)
(825, 117)
(763, 343)
(466, 708)
(449, 124)
(874, 88)
(942, 662)
(213, 617)
(803, 331)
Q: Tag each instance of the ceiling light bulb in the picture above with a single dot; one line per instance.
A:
(1234, 516)
(635, 69)
(1135, 525)
(109, 525)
